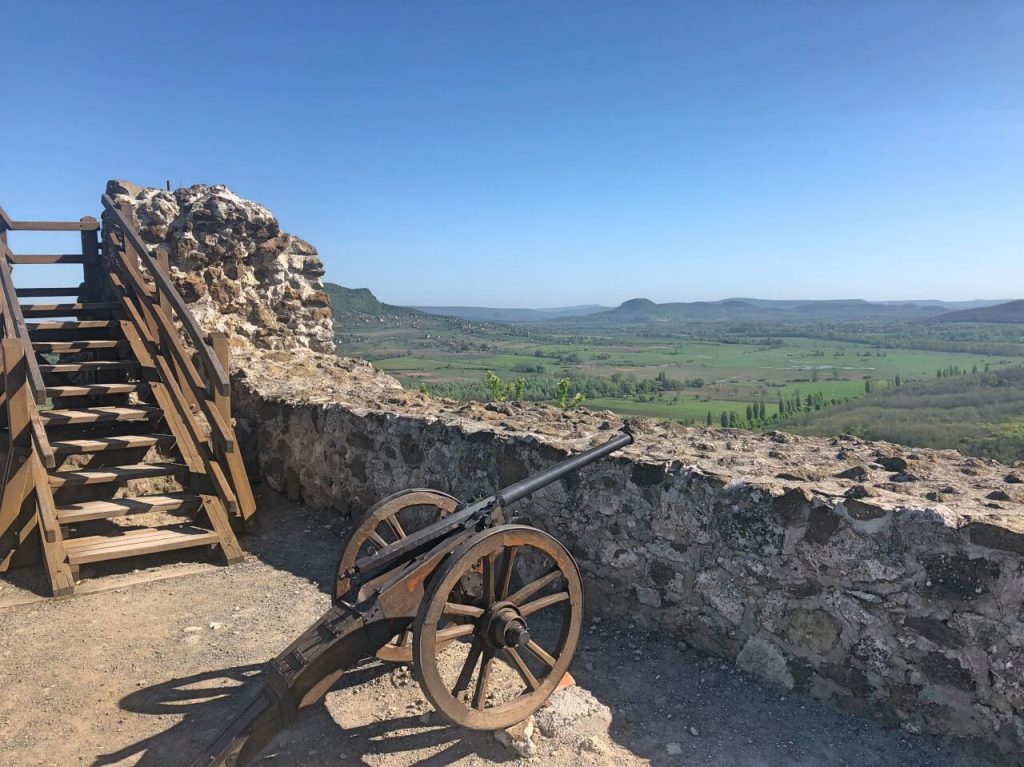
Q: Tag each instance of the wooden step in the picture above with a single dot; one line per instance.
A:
(80, 367)
(36, 327)
(121, 507)
(36, 292)
(90, 390)
(103, 444)
(117, 474)
(68, 310)
(97, 548)
(97, 415)
(75, 347)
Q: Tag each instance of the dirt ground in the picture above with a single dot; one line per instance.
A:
(147, 672)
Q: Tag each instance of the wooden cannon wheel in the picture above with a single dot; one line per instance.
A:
(387, 521)
(517, 635)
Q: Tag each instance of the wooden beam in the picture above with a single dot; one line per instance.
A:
(39, 258)
(222, 400)
(53, 226)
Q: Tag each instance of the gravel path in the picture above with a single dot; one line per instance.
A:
(148, 673)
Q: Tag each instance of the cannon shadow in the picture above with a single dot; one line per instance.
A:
(208, 701)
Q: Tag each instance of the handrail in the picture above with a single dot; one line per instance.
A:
(15, 321)
(84, 225)
(211, 364)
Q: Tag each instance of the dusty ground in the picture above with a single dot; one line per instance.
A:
(148, 673)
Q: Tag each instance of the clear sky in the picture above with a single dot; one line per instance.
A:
(552, 153)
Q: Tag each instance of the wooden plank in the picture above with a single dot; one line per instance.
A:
(40, 258)
(74, 347)
(90, 390)
(223, 488)
(35, 292)
(97, 415)
(44, 499)
(54, 226)
(92, 271)
(136, 543)
(222, 400)
(79, 367)
(131, 310)
(71, 325)
(121, 507)
(103, 444)
(18, 480)
(116, 474)
(240, 481)
(219, 521)
(185, 435)
(66, 310)
(40, 441)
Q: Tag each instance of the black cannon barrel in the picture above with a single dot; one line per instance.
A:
(533, 483)
(421, 540)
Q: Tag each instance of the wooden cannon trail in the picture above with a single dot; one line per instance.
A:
(112, 383)
(452, 588)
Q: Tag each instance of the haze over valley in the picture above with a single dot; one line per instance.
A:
(929, 372)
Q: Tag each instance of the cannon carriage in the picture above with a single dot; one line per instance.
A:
(467, 597)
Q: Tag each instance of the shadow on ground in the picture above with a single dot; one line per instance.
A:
(209, 701)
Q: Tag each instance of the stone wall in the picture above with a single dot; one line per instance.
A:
(230, 260)
(887, 580)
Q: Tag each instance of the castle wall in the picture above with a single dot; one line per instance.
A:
(887, 580)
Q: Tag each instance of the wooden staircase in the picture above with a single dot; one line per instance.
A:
(116, 412)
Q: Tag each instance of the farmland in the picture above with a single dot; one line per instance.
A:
(451, 357)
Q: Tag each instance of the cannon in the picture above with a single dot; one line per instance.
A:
(450, 587)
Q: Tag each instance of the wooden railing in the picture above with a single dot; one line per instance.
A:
(153, 308)
(83, 225)
(215, 372)
(14, 323)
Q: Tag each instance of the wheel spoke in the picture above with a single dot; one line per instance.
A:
(454, 632)
(506, 577)
(466, 675)
(402, 639)
(376, 538)
(543, 602)
(520, 665)
(394, 524)
(530, 589)
(461, 610)
(480, 695)
(488, 578)
(541, 653)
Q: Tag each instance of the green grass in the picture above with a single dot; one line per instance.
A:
(734, 374)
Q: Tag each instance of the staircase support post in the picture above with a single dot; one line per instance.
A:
(92, 268)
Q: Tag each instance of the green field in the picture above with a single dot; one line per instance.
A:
(451, 358)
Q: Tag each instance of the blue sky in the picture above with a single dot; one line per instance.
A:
(552, 153)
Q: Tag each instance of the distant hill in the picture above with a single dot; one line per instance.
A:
(360, 301)
(486, 314)
(1011, 311)
(642, 311)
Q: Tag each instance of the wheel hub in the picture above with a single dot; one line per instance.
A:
(503, 626)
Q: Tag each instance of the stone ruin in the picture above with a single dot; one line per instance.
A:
(230, 260)
(887, 580)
